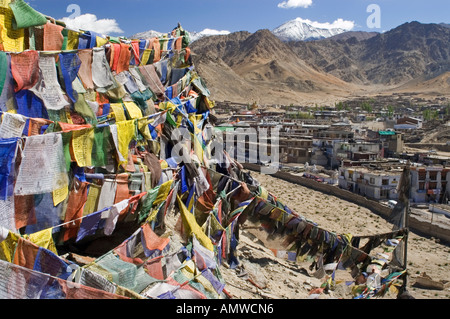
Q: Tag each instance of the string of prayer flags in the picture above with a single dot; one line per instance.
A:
(90, 124)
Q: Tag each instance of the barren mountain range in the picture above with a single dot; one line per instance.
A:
(259, 67)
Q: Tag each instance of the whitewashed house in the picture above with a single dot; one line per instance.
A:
(374, 184)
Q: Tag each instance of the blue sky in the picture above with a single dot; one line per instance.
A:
(127, 17)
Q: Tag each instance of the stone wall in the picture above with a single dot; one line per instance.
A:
(441, 147)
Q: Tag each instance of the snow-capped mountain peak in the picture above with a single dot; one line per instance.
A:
(146, 34)
(302, 29)
(193, 35)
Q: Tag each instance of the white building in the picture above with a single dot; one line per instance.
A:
(375, 184)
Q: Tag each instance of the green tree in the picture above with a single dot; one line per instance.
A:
(390, 110)
(339, 106)
(367, 106)
(430, 114)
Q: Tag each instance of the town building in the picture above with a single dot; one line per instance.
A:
(430, 184)
(391, 143)
(323, 146)
(408, 122)
(295, 150)
(372, 183)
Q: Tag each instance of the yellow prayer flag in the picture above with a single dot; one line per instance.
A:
(92, 199)
(164, 164)
(60, 194)
(163, 192)
(195, 120)
(393, 290)
(188, 269)
(44, 239)
(133, 110)
(68, 117)
(82, 143)
(191, 225)
(264, 193)
(170, 106)
(143, 128)
(179, 119)
(72, 40)
(125, 133)
(198, 148)
(145, 56)
(212, 225)
(8, 247)
(100, 41)
(13, 40)
(5, 3)
(207, 285)
(119, 113)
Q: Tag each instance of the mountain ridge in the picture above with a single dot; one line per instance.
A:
(297, 29)
(326, 69)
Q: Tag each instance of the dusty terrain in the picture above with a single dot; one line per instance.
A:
(261, 275)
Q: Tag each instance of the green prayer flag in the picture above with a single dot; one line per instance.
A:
(3, 69)
(99, 148)
(82, 108)
(25, 16)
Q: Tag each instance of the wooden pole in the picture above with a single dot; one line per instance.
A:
(405, 198)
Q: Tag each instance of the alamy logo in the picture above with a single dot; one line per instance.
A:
(245, 145)
(75, 9)
(374, 20)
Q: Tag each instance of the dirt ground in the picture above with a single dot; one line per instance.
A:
(261, 275)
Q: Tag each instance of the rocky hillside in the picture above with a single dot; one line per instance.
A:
(260, 67)
(412, 50)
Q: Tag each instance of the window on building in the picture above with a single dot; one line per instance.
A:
(433, 175)
(422, 174)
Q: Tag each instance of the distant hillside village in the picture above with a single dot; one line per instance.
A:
(360, 145)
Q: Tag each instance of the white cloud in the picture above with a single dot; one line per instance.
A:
(90, 22)
(214, 32)
(289, 4)
(206, 33)
(337, 24)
